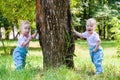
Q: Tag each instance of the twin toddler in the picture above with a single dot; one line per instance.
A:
(93, 40)
(19, 53)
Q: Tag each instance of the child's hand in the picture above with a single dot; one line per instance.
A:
(94, 50)
(74, 30)
(34, 35)
(30, 37)
(36, 31)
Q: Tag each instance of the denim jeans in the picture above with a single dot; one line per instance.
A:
(97, 58)
(19, 57)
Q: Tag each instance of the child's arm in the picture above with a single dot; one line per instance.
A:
(34, 35)
(97, 39)
(78, 34)
(26, 42)
(97, 46)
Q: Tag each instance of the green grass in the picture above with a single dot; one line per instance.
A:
(83, 70)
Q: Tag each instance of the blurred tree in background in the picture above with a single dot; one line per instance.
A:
(14, 11)
(115, 22)
(102, 10)
(4, 23)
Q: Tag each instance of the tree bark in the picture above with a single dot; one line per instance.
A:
(54, 26)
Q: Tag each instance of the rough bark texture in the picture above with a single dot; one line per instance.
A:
(54, 26)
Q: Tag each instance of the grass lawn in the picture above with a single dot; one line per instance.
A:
(83, 70)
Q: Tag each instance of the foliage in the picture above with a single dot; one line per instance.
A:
(13, 11)
(107, 9)
(18, 9)
(3, 21)
(76, 7)
(115, 22)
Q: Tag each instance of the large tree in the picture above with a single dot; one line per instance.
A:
(54, 26)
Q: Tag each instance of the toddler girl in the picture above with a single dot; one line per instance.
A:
(93, 41)
(19, 53)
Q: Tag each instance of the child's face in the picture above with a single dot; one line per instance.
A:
(90, 25)
(25, 29)
(90, 28)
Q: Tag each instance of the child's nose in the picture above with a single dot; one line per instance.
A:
(27, 29)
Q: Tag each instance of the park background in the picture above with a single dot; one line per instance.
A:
(106, 12)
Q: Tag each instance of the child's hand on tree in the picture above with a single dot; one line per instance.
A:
(29, 38)
(34, 35)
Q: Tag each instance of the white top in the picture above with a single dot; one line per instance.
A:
(91, 39)
(21, 40)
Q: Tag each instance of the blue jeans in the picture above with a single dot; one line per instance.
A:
(19, 57)
(97, 58)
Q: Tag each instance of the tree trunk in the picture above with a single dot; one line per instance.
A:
(104, 30)
(100, 30)
(0, 33)
(54, 27)
(2, 42)
(71, 46)
(13, 31)
(85, 10)
(90, 6)
(7, 31)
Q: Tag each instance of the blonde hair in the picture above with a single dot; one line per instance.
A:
(92, 22)
(24, 22)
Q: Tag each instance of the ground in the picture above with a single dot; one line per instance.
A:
(84, 69)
